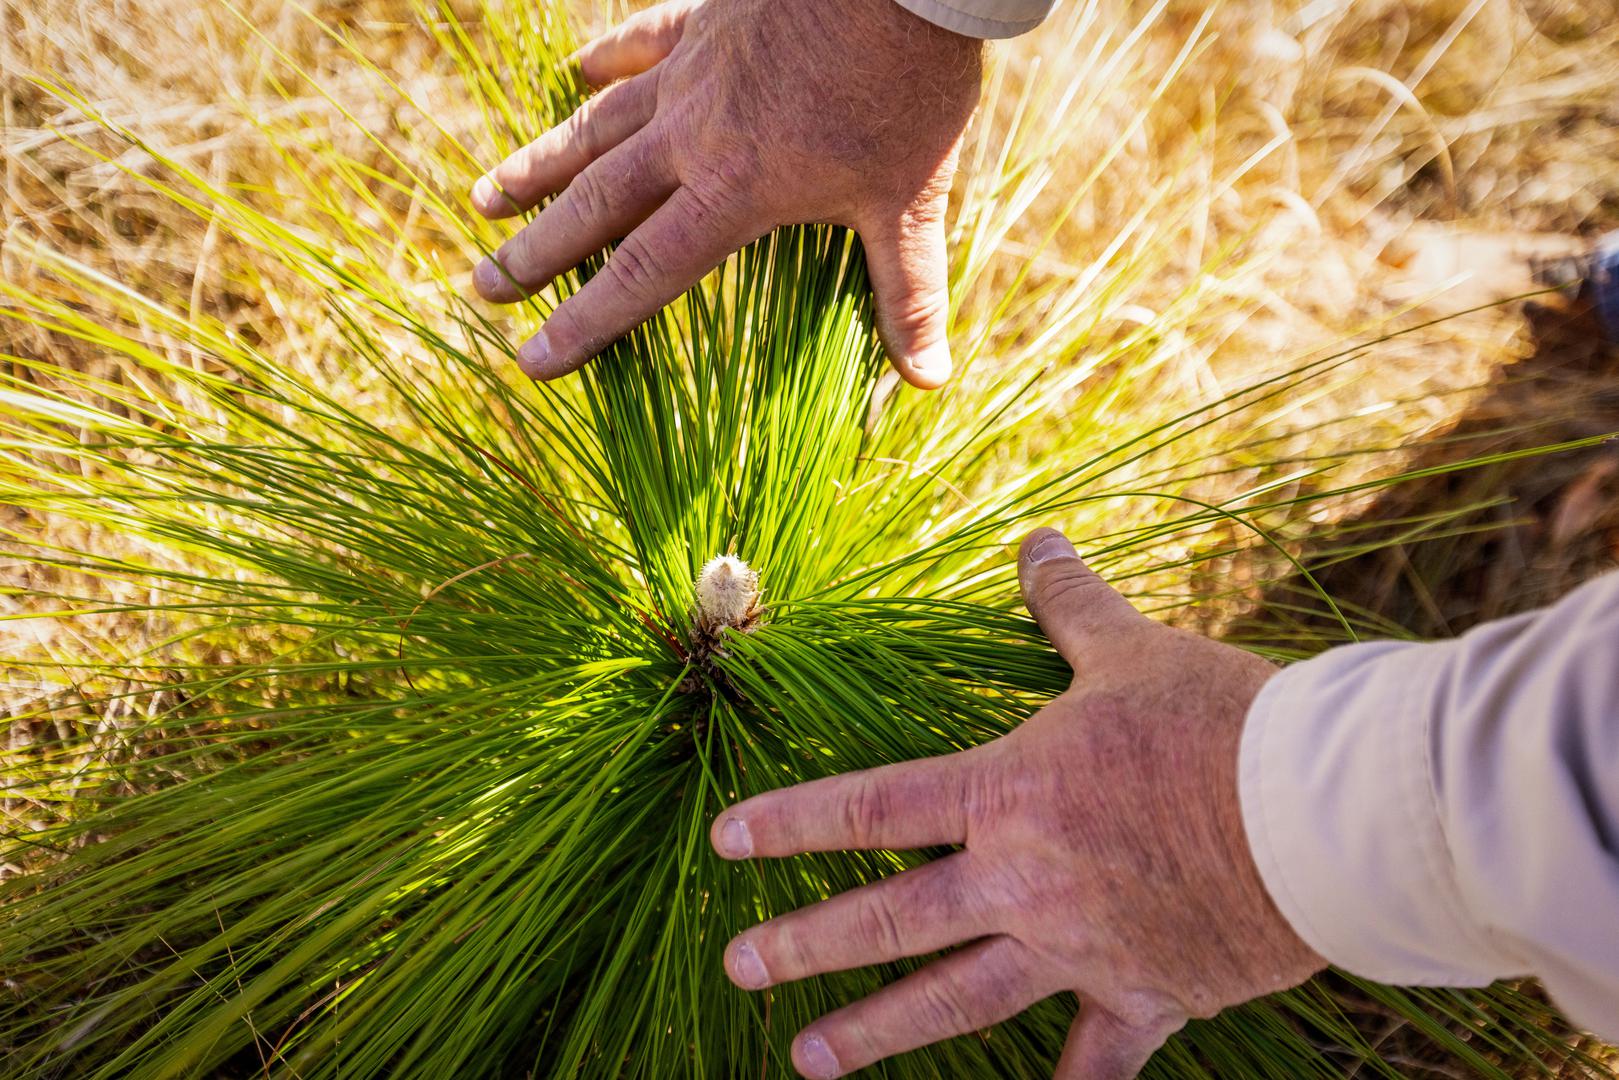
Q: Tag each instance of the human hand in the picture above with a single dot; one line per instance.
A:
(734, 117)
(1103, 853)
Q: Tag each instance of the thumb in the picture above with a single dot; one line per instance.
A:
(1078, 611)
(909, 269)
(1100, 1046)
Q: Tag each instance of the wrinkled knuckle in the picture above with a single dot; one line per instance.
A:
(919, 313)
(1070, 586)
(733, 175)
(982, 799)
(724, 184)
(997, 793)
(705, 210)
(864, 812)
(581, 134)
(878, 928)
(944, 1008)
(1067, 583)
(590, 197)
(634, 272)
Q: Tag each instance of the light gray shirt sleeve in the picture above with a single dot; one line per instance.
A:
(1448, 813)
(982, 18)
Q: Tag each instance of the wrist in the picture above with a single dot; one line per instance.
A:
(891, 28)
(967, 18)
(1275, 946)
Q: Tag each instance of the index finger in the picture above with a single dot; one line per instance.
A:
(910, 805)
(549, 163)
(635, 44)
(671, 251)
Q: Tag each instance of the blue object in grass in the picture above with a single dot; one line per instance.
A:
(1604, 281)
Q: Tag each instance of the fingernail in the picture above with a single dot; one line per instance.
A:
(534, 356)
(1051, 546)
(484, 193)
(930, 368)
(735, 840)
(817, 1060)
(487, 276)
(747, 969)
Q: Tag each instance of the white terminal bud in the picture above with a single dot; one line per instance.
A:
(727, 589)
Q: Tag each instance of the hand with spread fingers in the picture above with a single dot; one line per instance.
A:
(1102, 852)
(720, 120)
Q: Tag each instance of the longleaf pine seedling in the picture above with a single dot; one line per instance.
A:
(448, 673)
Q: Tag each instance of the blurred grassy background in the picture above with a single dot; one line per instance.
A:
(1253, 182)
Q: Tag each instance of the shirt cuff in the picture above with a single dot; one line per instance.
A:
(982, 18)
(1338, 799)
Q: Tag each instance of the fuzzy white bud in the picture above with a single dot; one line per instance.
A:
(727, 589)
